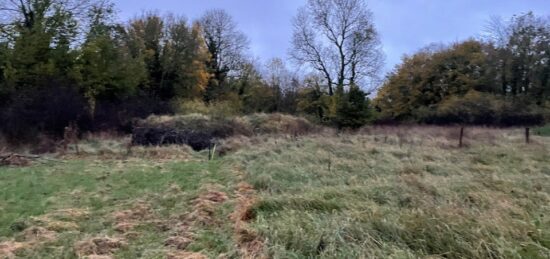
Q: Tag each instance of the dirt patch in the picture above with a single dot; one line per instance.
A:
(251, 244)
(102, 246)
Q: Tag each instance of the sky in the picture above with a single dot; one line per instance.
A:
(405, 26)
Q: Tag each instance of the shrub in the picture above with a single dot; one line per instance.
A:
(197, 131)
(479, 108)
(218, 109)
(201, 131)
(45, 110)
(353, 109)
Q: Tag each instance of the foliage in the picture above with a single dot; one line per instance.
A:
(498, 82)
(353, 109)
(543, 131)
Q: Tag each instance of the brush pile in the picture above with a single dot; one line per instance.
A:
(201, 132)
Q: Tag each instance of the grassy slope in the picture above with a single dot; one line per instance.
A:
(351, 196)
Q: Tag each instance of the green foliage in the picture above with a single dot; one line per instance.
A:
(430, 77)
(350, 109)
(353, 109)
(543, 131)
(473, 82)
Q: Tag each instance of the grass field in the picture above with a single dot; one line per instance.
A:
(383, 193)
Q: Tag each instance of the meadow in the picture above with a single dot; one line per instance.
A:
(382, 192)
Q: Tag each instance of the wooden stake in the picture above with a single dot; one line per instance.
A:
(527, 135)
(460, 143)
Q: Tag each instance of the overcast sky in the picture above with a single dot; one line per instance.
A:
(405, 25)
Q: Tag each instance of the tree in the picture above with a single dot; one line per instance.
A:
(5, 71)
(226, 45)
(431, 76)
(522, 52)
(145, 36)
(338, 39)
(104, 68)
(183, 60)
(353, 110)
(282, 82)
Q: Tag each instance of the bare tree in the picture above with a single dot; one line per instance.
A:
(225, 42)
(338, 39)
(277, 74)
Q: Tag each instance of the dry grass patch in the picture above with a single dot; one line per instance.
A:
(30, 238)
(99, 246)
(250, 243)
(185, 255)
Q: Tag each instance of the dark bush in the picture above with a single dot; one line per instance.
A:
(353, 109)
(199, 132)
(47, 110)
(119, 114)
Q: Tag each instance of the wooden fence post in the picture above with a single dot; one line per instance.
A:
(527, 135)
(460, 142)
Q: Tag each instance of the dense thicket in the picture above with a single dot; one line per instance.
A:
(504, 80)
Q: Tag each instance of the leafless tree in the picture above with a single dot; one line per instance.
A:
(277, 74)
(225, 42)
(338, 39)
(496, 31)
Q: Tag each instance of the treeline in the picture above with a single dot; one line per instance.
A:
(502, 79)
(64, 61)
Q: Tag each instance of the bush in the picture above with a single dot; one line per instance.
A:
(543, 131)
(479, 108)
(353, 109)
(197, 131)
(201, 131)
(120, 114)
(218, 109)
(47, 110)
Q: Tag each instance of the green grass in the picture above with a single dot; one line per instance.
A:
(322, 196)
(383, 200)
(543, 131)
(102, 187)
